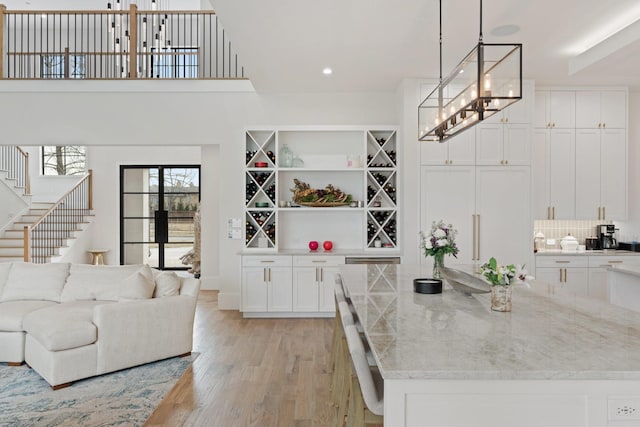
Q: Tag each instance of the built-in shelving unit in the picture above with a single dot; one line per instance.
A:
(361, 162)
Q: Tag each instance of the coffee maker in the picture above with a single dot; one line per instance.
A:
(606, 234)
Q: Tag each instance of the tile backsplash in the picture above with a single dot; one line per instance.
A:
(557, 229)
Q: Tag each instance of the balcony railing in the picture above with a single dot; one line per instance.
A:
(115, 44)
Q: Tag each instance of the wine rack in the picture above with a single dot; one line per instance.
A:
(361, 161)
(260, 189)
(381, 181)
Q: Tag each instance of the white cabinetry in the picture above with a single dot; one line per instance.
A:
(266, 284)
(582, 274)
(313, 283)
(459, 150)
(360, 162)
(503, 144)
(580, 166)
(555, 109)
(289, 285)
(472, 199)
(601, 109)
(570, 272)
(601, 174)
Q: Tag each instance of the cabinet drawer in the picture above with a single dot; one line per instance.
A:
(606, 261)
(317, 260)
(266, 261)
(569, 261)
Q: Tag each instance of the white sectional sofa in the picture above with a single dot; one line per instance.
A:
(73, 321)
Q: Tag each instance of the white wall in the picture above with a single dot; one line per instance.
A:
(12, 205)
(138, 126)
(46, 188)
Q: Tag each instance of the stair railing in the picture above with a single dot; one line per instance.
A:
(47, 234)
(15, 162)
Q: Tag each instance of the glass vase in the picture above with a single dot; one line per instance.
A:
(500, 298)
(438, 263)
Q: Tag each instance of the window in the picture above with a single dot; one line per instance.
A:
(53, 66)
(175, 63)
(63, 160)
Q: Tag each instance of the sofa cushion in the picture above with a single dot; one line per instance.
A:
(64, 326)
(12, 313)
(42, 282)
(99, 282)
(139, 285)
(167, 284)
(4, 274)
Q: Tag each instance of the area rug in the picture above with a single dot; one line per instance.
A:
(123, 398)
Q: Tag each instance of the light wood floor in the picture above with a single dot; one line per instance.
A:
(252, 372)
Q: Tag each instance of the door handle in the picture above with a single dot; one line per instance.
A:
(478, 228)
(161, 219)
(560, 275)
(316, 274)
(264, 275)
(269, 275)
(321, 274)
(473, 245)
(553, 210)
(599, 212)
(565, 275)
(604, 214)
(266, 261)
(548, 212)
(319, 261)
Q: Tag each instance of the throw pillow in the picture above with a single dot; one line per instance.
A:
(167, 284)
(39, 282)
(139, 285)
(97, 282)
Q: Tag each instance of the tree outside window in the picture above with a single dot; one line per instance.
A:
(63, 160)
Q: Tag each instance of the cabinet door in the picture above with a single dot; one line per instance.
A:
(613, 169)
(489, 144)
(503, 206)
(326, 301)
(588, 204)
(588, 110)
(541, 109)
(562, 154)
(305, 288)
(517, 144)
(280, 292)
(598, 284)
(462, 148)
(562, 109)
(448, 193)
(577, 280)
(540, 174)
(434, 153)
(254, 289)
(613, 109)
(520, 112)
(554, 276)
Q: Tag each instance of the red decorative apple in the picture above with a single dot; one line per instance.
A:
(313, 245)
(327, 245)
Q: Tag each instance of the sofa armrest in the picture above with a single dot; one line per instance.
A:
(135, 332)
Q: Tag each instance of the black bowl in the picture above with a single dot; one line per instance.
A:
(427, 286)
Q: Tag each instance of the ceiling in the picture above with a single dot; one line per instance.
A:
(372, 45)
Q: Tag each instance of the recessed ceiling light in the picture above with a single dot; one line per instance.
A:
(327, 71)
(505, 30)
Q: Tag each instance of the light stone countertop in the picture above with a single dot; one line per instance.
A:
(549, 334)
(600, 252)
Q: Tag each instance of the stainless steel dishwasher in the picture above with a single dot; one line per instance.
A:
(372, 260)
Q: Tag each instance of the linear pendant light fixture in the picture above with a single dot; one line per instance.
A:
(485, 82)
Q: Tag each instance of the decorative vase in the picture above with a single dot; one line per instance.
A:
(500, 298)
(438, 262)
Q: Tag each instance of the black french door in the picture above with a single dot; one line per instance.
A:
(157, 207)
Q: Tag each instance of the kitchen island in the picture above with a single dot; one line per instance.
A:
(447, 360)
(624, 286)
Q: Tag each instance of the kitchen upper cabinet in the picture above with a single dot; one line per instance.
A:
(503, 144)
(601, 109)
(601, 174)
(448, 193)
(459, 150)
(503, 214)
(518, 112)
(555, 109)
(554, 173)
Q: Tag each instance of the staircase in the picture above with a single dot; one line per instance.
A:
(52, 239)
